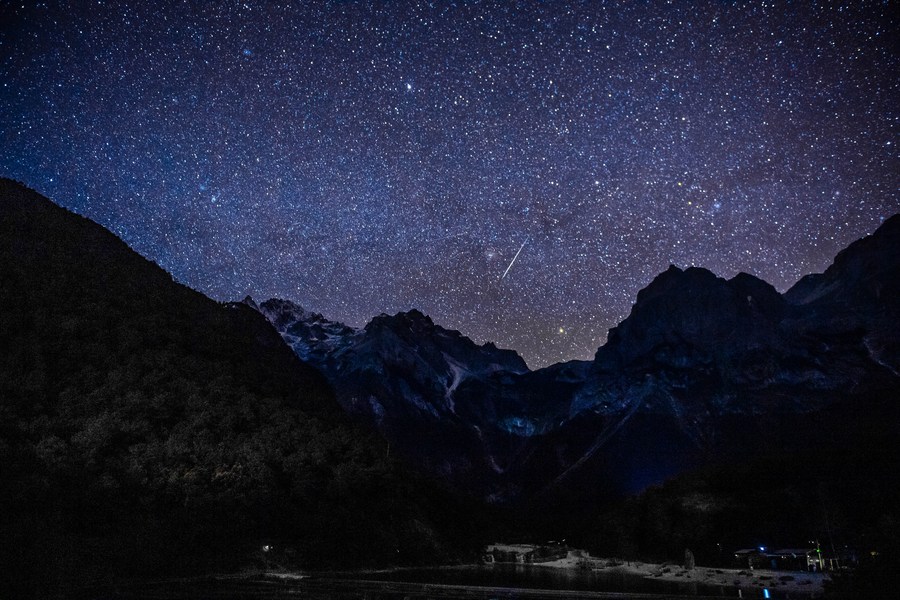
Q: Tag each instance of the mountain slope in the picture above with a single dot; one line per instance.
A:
(145, 429)
(859, 292)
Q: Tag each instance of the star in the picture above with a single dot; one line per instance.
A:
(361, 158)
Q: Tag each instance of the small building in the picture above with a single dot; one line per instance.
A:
(785, 559)
(796, 559)
(750, 558)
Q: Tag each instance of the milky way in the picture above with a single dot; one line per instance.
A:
(362, 158)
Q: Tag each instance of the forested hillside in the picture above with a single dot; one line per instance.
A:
(146, 429)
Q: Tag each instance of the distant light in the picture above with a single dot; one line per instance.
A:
(762, 548)
(766, 593)
(266, 548)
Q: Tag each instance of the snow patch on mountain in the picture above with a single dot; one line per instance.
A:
(459, 372)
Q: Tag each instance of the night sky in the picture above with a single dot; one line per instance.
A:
(362, 158)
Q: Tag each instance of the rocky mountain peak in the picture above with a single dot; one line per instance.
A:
(413, 321)
(418, 330)
(249, 301)
(691, 314)
(282, 312)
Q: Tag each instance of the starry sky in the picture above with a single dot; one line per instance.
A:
(369, 157)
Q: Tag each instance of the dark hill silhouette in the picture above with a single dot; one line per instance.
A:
(147, 430)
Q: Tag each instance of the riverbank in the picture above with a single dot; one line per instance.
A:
(753, 583)
(793, 582)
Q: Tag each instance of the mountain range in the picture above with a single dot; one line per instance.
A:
(702, 369)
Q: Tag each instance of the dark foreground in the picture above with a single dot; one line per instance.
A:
(337, 588)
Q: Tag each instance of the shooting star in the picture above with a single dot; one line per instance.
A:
(514, 258)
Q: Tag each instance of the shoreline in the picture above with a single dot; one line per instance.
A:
(794, 582)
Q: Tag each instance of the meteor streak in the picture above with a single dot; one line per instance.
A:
(514, 258)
